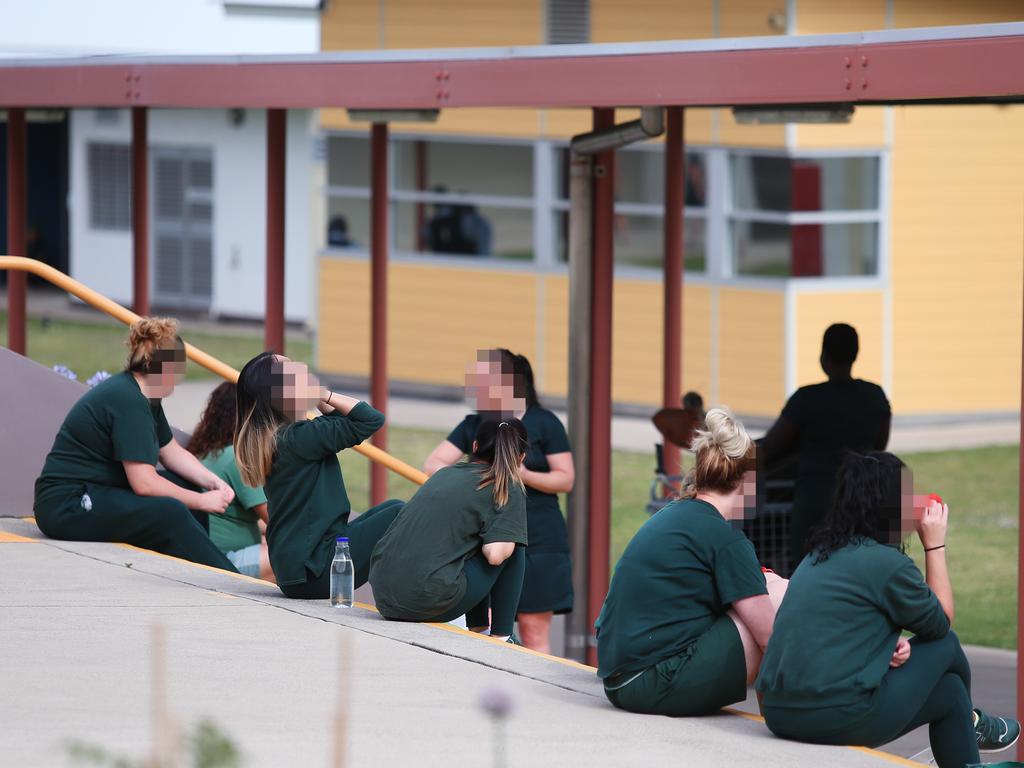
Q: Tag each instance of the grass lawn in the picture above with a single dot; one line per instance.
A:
(980, 486)
(89, 347)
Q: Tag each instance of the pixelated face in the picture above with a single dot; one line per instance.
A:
(911, 505)
(171, 362)
(746, 500)
(293, 390)
(489, 388)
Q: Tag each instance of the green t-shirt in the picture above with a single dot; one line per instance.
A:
(547, 436)
(682, 570)
(111, 423)
(416, 568)
(837, 627)
(306, 497)
(238, 527)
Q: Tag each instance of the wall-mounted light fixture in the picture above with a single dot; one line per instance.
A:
(793, 113)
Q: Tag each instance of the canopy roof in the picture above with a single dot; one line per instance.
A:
(941, 64)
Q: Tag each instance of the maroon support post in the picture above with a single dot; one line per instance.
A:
(140, 211)
(1020, 572)
(421, 185)
(274, 321)
(673, 280)
(379, 300)
(600, 448)
(16, 193)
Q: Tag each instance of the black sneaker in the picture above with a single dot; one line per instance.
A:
(995, 733)
(513, 640)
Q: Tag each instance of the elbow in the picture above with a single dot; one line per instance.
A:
(494, 558)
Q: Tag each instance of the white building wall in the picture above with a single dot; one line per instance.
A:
(102, 259)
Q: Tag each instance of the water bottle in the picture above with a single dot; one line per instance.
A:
(343, 575)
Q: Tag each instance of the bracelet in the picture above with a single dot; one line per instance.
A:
(932, 549)
(329, 396)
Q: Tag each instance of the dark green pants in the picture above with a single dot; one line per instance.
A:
(933, 688)
(158, 523)
(493, 588)
(709, 674)
(363, 534)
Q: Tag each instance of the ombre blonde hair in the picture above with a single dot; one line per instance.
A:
(146, 337)
(256, 420)
(501, 445)
(725, 453)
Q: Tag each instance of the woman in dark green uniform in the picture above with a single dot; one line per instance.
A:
(547, 471)
(457, 547)
(100, 481)
(295, 459)
(689, 611)
(837, 670)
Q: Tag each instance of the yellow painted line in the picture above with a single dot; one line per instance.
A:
(13, 538)
(29, 520)
(886, 756)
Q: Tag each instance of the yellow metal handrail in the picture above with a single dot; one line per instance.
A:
(210, 363)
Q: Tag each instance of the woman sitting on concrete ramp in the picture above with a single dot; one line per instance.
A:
(100, 481)
(837, 670)
(295, 460)
(458, 546)
(689, 610)
(238, 533)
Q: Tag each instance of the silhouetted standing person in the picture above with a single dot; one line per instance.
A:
(822, 423)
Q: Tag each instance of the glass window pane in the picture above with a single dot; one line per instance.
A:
(462, 167)
(638, 241)
(348, 161)
(348, 223)
(807, 250)
(464, 230)
(640, 177)
(775, 183)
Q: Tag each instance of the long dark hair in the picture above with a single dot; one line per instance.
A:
(500, 445)
(523, 372)
(257, 419)
(867, 504)
(216, 428)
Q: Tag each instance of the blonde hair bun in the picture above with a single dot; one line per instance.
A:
(724, 432)
(148, 334)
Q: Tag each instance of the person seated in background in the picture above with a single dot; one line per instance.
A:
(295, 460)
(100, 481)
(337, 233)
(458, 545)
(689, 609)
(237, 532)
(694, 404)
(821, 423)
(837, 670)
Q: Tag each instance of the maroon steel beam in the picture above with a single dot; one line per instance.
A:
(599, 452)
(16, 195)
(961, 68)
(672, 336)
(140, 211)
(274, 320)
(379, 300)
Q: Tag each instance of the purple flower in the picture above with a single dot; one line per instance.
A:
(67, 373)
(496, 703)
(98, 377)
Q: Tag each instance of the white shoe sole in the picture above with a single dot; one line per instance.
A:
(1000, 749)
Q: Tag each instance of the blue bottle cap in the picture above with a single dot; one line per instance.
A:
(342, 538)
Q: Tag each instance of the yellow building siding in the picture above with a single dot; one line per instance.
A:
(819, 17)
(751, 350)
(746, 18)
(817, 311)
(697, 327)
(343, 340)
(928, 13)
(865, 130)
(957, 234)
(553, 372)
(350, 25)
(615, 20)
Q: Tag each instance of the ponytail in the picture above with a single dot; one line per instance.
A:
(256, 420)
(501, 445)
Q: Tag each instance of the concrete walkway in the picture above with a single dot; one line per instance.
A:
(75, 643)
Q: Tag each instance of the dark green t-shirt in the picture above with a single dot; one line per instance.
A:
(238, 527)
(835, 417)
(111, 423)
(547, 436)
(416, 568)
(837, 627)
(306, 497)
(682, 570)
